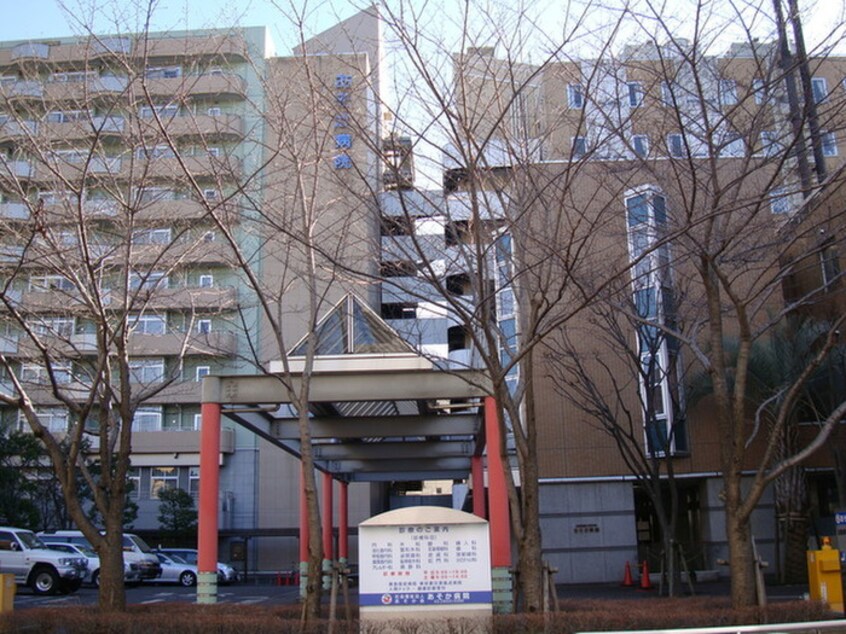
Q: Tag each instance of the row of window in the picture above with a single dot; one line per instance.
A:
(145, 324)
(146, 419)
(164, 111)
(145, 370)
(101, 200)
(156, 72)
(149, 280)
(733, 145)
(672, 94)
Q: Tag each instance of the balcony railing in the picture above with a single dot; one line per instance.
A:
(30, 51)
(14, 211)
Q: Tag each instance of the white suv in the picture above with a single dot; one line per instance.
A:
(45, 571)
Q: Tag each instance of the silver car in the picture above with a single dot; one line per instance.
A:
(131, 574)
(177, 570)
(225, 573)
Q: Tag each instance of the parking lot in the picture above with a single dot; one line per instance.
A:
(238, 594)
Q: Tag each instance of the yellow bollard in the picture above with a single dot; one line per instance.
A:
(824, 576)
(7, 593)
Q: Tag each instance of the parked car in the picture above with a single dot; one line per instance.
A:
(45, 571)
(177, 570)
(225, 572)
(135, 549)
(131, 573)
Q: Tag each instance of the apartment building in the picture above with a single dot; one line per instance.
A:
(140, 177)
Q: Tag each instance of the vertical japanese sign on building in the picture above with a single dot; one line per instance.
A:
(424, 559)
(341, 125)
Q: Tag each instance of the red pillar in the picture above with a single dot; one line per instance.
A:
(497, 491)
(343, 522)
(209, 489)
(477, 476)
(327, 516)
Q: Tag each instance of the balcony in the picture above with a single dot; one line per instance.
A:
(215, 252)
(231, 48)
(171, 210)
(217, 85)
(222, 127)
(26, 89)
(14, 211)
(84, 90)
(177, 441)
(30, 51)
(210, 167)
(74, 130)
(8, 344)
(216, 344)
(195, 298)
(11, 130)
(13, 168)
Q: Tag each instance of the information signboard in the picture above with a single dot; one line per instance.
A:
(422, 557)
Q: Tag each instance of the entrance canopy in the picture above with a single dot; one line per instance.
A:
(378, 410)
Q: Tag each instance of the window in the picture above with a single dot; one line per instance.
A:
(147, 419)
(148, 370)
(575, 98)
(760, 90)
(214, 151)
(830, 264)
(667, 96)
(635, 90)
(206, 281)
(780, 201)
(770, 143)
(165, 111)
(214, 112)
(675, 145)
(829, 144)
(151, 236)
(209, 236)
(819, 88)
(44, 283)
(145, 324)
(399, 311)
(155, 194)
(194, 482)
(399, 268)
(204, 326)
(210, 194)
(163, 72)
(733, 145)
(73, 77)
(155, 152)
(640, 145)
(52, 326)
(201, 371)
(67, 116)
(728, 92)
(55, 419)
(32, 373)
(148, 281)
(162, 478)
(579, 147)
(133, 477)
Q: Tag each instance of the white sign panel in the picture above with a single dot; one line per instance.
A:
(425, 562)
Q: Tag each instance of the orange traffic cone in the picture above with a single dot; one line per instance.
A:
(627, 576)
(645, 584)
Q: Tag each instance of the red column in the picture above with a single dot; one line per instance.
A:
(477, 477)
(497, 491)
(327, 516)
(209, 488)
(343, 521)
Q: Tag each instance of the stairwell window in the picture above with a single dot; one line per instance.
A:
(635, 92)
(579, 147)
(829, 144)
(575, 97)
(640, 145)
(201, 371)
(675, 145)
(819, 88)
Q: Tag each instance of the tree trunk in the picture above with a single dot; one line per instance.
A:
(741, 560)
(795, 531)
(530, 563)
(112, 596)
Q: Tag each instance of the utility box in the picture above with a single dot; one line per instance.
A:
(7, 593)
(824, 579)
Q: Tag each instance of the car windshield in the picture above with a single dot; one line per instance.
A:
(177, 559)
(86, 550)
(137, 541)
(30, 540)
